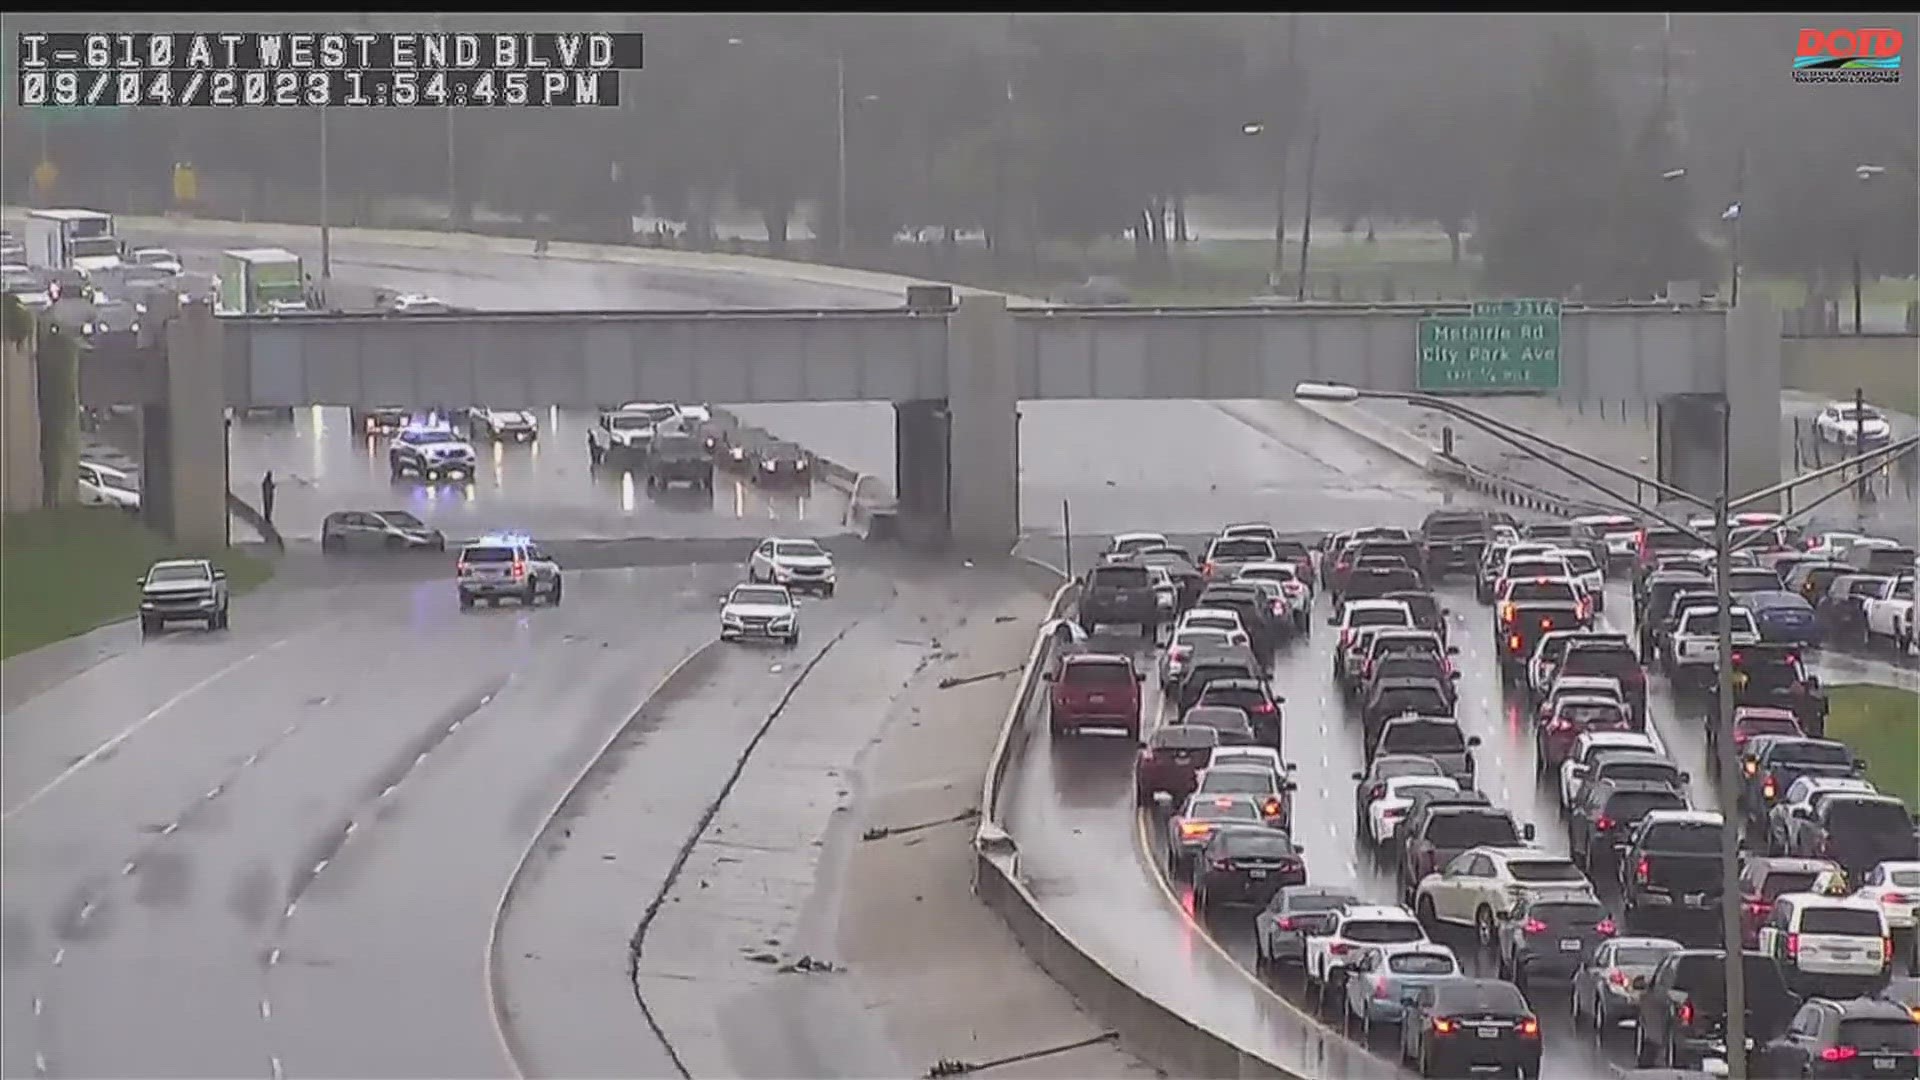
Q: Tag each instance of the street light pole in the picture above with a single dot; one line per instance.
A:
(1306, 223)
(1738, 208)
(1733, 939)
(326, 232)
(840, 98)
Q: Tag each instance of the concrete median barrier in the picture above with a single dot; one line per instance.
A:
(1180, 1045)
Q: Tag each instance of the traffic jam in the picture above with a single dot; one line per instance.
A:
(1428, 904)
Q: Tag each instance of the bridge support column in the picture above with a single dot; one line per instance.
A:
(983, 396)
(1753, 394)
(921, 469)
(184, 442)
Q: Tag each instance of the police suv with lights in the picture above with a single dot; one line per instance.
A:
(431, 452)
(507, 564)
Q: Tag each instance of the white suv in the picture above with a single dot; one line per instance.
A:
(766, 612)
(1830, 946)
(1695, 643)
(1482, 885)
(800, 565)
(1356, 928)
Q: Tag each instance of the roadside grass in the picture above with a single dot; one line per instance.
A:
(64, 572)
(1834, 366)
(1882, 724)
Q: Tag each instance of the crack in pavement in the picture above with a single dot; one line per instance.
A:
(636, 946)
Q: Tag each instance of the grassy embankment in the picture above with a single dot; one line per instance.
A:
(64, 572)
(1882, 724)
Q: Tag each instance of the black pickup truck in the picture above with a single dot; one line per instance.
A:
(679, 459)
(1670, 872)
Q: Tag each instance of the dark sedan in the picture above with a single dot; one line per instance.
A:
(378, 530)
(1783, 618)
(1281, 931)
(1245, 866)
(779, 463)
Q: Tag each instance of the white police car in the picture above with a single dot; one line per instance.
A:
(431, 452)
(506, 564)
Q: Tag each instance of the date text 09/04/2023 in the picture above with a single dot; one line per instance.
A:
(348, 89)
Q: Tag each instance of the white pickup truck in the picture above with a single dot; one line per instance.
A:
(1889, 613)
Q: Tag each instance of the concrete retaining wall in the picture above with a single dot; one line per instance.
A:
(870, 504)
(1161, 1035)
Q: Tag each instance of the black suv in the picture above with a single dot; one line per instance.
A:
(1454, 540)
(1121, 594)
(1683, 1011)
(1440, 831)
(1670, 870)
(1858, 831)
(1606, 815)
(1651, 598)
(1252, 697)
(1861, 1037)
(1774, 675)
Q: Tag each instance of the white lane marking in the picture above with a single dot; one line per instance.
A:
(273, 958)
(214, 791)
(39, 1006)
(133, 729)
(352, 825)
(39, 1062)
(278, 1071)
(485, 698)
(251, 758)
(59, 955)
(128, 868)
(86, 910)
(291, 908)
(172, 827)
(266, 1009)
(389, 790)
(319, 866)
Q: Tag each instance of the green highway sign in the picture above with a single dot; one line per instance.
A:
(1504, 345)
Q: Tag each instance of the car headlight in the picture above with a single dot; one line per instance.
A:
(768, 465)
(729, 619)
(736, 453)
(782, 622)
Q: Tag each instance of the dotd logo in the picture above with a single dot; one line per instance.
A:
(1868, 54)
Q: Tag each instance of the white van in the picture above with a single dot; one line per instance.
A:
(104, 485)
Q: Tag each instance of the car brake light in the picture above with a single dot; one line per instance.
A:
(1223, 802)
(1530, 1028)
(1146, 754)
(519, 568)
(1377, 791)
(1380, 989)
(1886, 950)
(1534, 926)
(1759, 909)
(1895, 898)
(1793, 946)
(1342, 565)
(1392, 812)
(1643, 869)
(1192, 829)
(1263, 708)
(1839, 1053)
(1513, 643)
(1443, 1026)
(1222, 864)
(1769, 789)
(1603, 823)
(462, 569)
(1686, 1014)
(1286, 922)
(1560, 723)
(1339, 948)
(1546, 624)
(1751, 766)
(1606, 928)
(1740, 736)
(1617, 977)
(1271, 807)
(1206, 569)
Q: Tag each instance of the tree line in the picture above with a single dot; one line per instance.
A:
(1588, 155)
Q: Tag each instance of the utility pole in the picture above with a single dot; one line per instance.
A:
(1306, 222)
(1666, 67)
(1001, 219)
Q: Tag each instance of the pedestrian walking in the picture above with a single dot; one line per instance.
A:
(266, 497)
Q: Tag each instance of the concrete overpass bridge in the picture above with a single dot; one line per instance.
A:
(956, 373)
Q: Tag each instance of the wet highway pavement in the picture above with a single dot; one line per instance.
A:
(1098, 865)
(312, 834)
(322, 464)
